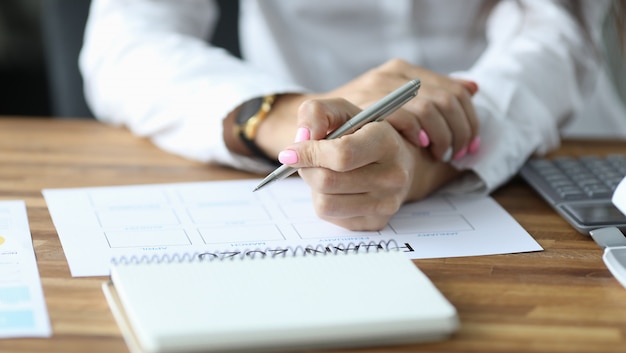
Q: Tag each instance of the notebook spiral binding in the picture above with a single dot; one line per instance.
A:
(261, 253)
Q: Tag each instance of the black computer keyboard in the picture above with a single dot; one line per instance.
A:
(579, 188)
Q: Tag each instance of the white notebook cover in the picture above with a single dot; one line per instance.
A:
(281, 303)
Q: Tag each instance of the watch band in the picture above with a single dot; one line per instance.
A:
(247, 122)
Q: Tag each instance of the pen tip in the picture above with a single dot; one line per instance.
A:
(262, 184)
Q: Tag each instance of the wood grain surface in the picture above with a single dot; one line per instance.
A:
(562, 299)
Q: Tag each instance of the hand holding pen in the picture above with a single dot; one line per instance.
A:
(375, 112)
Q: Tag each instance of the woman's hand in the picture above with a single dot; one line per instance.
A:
(360, 180)
(444, 117)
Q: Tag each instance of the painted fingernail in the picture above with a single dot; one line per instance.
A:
(470, 86)
(448, 155)
(473, 87)
(423, 138)
(288, 157)
(303, 134)
(474, 145)
(462, 152)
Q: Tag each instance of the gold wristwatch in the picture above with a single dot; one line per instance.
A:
(247, 122)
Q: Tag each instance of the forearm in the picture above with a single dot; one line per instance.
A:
(147, 66)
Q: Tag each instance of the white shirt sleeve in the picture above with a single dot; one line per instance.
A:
(537, 68)
(147, 65)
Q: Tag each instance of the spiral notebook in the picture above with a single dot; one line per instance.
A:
(256, 301)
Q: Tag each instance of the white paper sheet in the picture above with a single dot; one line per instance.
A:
(23, 311)
(98, 224)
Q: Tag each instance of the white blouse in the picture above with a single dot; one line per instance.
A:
(147, 66)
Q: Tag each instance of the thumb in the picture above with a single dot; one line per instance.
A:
(299, 155)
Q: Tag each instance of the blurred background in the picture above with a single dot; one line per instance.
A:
(23, 77)
(40, 41)
(39, 45)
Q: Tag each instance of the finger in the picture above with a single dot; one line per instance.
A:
(470, 112)
(456, 118)
(359, 223)
(470, 86)
(434, 123)
(369, 208)
(321, 116)
(467, 131)
(409, 126)
(344, 153)
(355, 211)
(373, 177)
(328, 181)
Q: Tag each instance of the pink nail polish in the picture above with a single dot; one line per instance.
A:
(462, 152)
(473, 87)
(474, 145)
(288, 157)
(423, 138)
(303, 134)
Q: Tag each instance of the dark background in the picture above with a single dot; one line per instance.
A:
(39, 45)
(40, 41)
(23, 81)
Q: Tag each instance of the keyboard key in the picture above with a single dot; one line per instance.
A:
(587, 177)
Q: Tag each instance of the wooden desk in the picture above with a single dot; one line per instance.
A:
(562, 299)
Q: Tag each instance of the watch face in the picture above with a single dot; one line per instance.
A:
(247, 110)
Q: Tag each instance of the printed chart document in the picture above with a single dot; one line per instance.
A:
(23, 311)
(214, 218)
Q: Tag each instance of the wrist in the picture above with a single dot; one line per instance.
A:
(279, 127)
(429, 175)
(241, 126)
(254, 129)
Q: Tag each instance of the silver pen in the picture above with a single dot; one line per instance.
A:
(376, 112)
